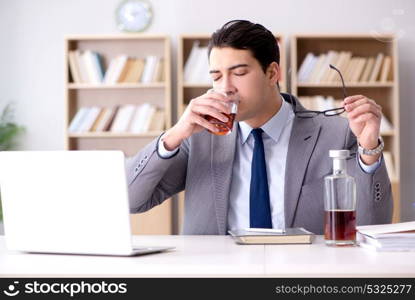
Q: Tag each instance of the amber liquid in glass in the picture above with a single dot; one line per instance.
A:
(340, 226)
(224, 127)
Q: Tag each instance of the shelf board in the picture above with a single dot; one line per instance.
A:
(197, 85)
(79, 86)
(117, 37)
(348, 85)
(205, 85)
(113, 135)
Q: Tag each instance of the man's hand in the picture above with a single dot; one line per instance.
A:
(193, 121)
(364, 120)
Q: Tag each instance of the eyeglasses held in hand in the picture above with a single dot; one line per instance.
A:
(329, 112)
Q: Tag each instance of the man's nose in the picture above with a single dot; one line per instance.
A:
(227, 87)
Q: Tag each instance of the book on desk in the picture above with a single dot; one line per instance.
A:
(288, 236)
(387, 237)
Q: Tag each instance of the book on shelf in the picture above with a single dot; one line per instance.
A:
(196, 68)
(323, 74)
(376, 68)
(98, 66)
(125, 70)
(351, 66)
(305, 65)
(123, 118)
(202, 68)
(74, 67)
(86, 66)
(92, 65)
(368, 69)
(138, 119)
(385, 124)
(111, 118)
(149, 115)
(81, 66)
(149, 68)
(135, 71)
(387, 237)
(290, 236)
(77, 119)
(357, 73)
(191, 62)
(141, 119)
(349, 69)
(115, 69)
(157, 122)
(103, 119)
(84, 119)
(343, 62)
(315, 68)
(158, 71)
(109, 71)
(89, 119)
(332, 59)
(386, 67)
(98, 119)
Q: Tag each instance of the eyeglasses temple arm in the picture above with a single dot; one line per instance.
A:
(341, 77)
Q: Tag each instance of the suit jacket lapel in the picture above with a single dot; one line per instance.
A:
(303, 138)
(222, 157)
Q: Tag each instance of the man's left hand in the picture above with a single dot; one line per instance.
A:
(364, 117)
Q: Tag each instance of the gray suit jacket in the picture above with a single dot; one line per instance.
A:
(203, 168)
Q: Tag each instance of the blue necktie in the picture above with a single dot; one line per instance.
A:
(259, 206)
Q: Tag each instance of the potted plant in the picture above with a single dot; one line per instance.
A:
(8, 133)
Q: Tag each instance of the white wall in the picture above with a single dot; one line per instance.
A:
(31, 51)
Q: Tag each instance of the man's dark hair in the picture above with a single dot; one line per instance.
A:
(245, 35)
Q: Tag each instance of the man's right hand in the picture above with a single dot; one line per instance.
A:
(193, 121)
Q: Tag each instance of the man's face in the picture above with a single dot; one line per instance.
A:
(237, 71)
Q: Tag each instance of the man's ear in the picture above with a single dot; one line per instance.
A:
(274, 73)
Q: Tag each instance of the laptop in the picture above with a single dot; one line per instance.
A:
(72, 202)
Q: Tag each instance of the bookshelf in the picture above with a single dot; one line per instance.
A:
(385, 91)
(109, 95)
(187, 91)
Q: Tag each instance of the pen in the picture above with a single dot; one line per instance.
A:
(265, 230)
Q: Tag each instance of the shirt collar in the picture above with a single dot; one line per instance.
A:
(273, 127)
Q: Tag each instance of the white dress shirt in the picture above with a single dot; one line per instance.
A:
(276, 136)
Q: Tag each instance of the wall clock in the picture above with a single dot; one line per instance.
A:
(134, 15)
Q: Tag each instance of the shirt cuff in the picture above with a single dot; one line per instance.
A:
(369, 169)
(163, 152)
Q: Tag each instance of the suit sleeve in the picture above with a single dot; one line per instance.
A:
(373, 190)
(152, 179)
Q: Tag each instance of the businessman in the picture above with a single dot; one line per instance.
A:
(269, 171)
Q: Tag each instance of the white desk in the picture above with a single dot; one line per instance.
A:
(215, 256)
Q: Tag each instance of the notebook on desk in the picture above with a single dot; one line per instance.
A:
(289, 236)
(73, 202)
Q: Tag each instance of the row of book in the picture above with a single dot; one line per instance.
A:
(396, 237)
(315, 68)
(196, 68)
(88, 67)
(124, 118)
